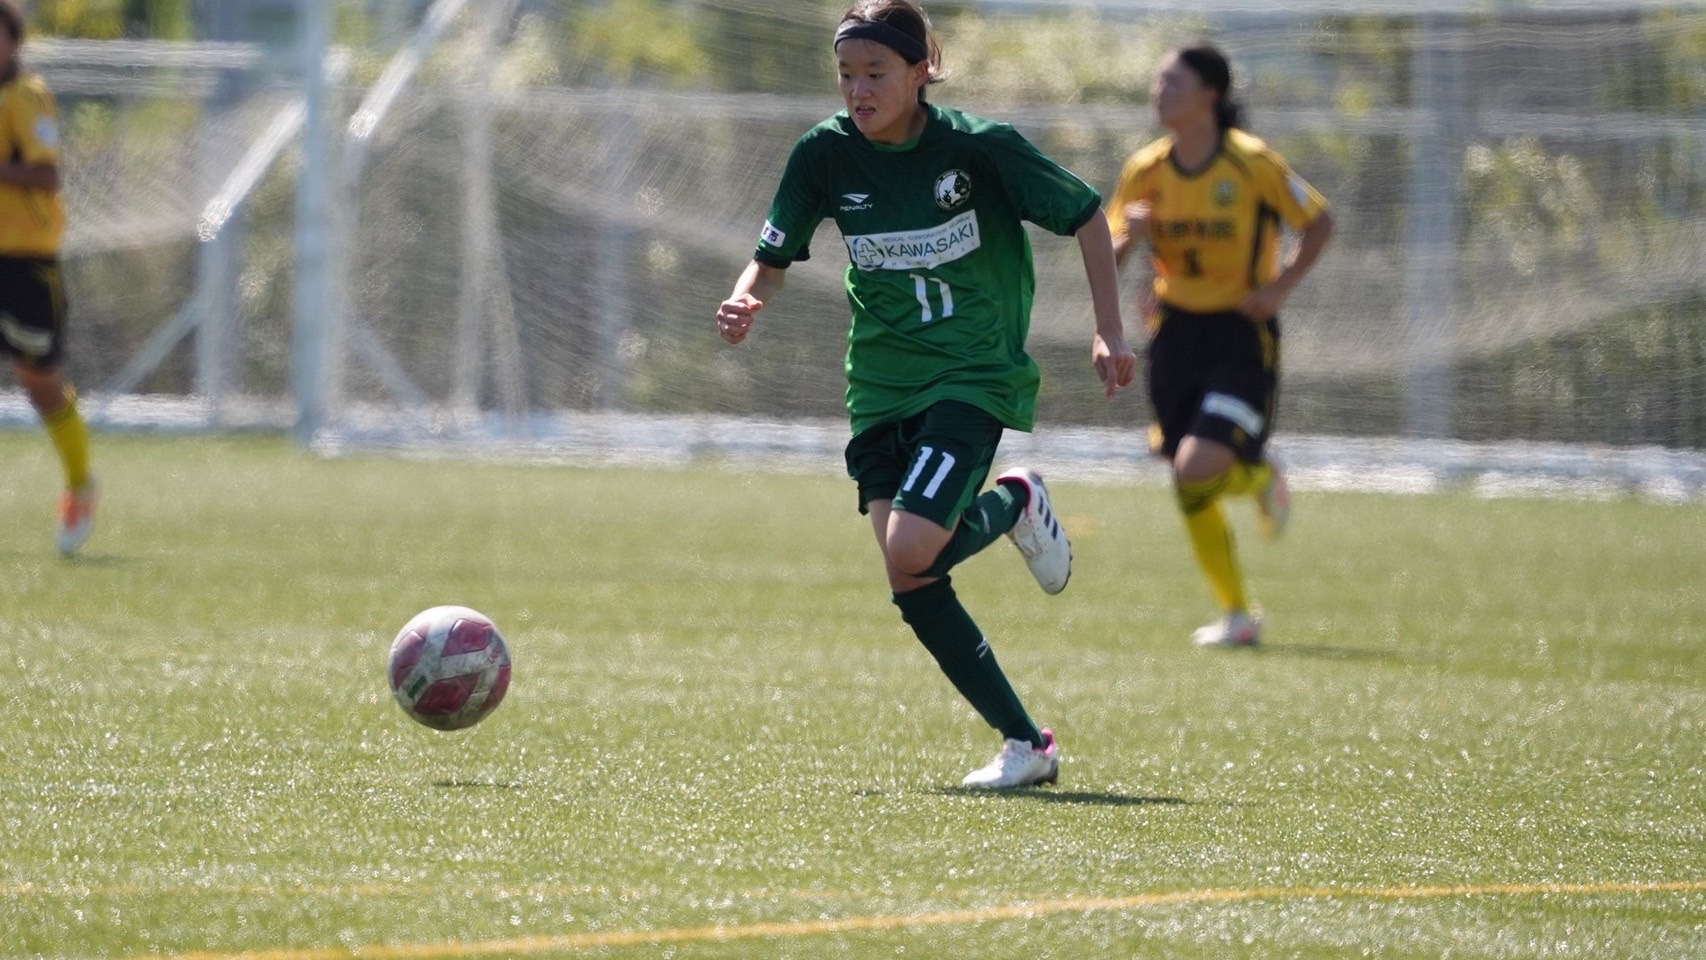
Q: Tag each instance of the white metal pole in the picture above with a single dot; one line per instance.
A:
(614, 270)
(479, 231)
(488, 342)
(215, 343)
(1430, 244)
(311, 345)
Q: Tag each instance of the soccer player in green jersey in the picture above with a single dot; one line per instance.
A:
(931, 203)
(32, 297)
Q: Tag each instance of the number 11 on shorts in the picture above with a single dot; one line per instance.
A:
(925, 455)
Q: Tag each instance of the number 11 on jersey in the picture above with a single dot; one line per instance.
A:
(944, 293)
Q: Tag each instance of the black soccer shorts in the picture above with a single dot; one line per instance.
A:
(32, 311)
(1215, 376)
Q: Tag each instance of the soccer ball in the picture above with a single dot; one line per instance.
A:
(449, 667)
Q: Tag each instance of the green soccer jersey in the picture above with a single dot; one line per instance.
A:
(940, 277)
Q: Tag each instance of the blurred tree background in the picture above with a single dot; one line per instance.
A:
(1577, 294)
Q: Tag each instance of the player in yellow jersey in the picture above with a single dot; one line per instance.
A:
(1210, 200)
(32, 295)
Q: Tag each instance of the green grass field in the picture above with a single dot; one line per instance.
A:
(1478, 728)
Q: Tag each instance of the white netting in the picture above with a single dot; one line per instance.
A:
(548, 213)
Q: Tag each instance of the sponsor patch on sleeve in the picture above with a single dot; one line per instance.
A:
(771, 235)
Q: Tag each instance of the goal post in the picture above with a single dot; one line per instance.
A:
(316, 301)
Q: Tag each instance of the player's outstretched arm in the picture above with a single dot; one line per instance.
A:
(1115, 362)
(757, 284)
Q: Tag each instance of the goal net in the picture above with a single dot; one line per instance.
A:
(530, 235)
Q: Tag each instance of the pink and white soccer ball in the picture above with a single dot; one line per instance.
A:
(449, 667)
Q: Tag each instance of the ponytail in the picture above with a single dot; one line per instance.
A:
(1208, 63)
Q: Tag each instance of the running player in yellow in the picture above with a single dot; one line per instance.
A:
(1210, 200)
(931, 203)
(32, 295)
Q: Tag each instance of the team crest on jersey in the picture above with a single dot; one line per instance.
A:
(952, 189)
(1225, 193)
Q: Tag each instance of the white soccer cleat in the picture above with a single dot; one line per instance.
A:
(1039, 535)
(1273, 503)
(1018, 765)
(76, 517)
(1233, 630)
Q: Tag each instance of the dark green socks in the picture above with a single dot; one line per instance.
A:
(989, 516)
(945, 628)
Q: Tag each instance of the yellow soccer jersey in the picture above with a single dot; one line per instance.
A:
(31, 221)
(1214, 234)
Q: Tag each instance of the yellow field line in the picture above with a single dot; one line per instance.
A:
(907, 921)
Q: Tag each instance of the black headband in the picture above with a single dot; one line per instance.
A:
(910, 48)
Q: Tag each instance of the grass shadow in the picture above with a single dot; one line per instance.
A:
(1089, 798)
(476, 784)
(1321, 651)
(83, 559)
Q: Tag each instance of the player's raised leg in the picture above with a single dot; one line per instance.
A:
(1273, 496)
(1038, 533)
(918, 480)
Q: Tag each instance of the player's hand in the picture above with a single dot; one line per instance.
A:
(1263, 304)
(1115, 362)
(734, 317)
(1137, 217)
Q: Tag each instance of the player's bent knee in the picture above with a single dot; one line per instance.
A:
(913, 557)
(1195, 496)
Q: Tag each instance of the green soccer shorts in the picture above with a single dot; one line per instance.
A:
(931, 464)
